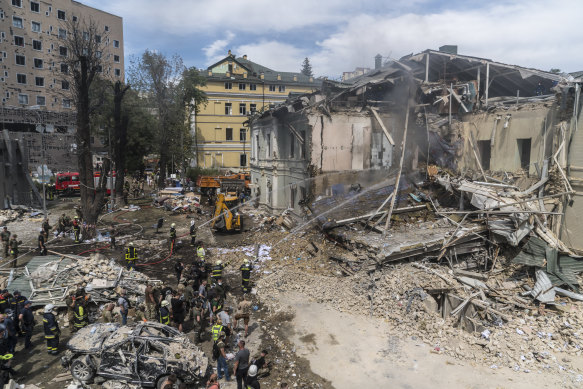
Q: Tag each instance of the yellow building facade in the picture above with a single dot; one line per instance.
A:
(235, 88)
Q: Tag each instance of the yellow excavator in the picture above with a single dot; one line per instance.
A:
(224, 219)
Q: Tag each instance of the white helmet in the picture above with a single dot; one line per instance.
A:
(164, 303)
(192, 222)
(245, 260)
(173, 225)
(49, 308)
(252, 371)
(40, 230)
(219, 262)
(131, 244)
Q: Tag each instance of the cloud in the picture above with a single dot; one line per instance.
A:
(274, 55)
(217, 49)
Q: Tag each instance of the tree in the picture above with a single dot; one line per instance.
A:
(555, 70)
(120, 137)
(307, 68)
(172, 91)
(85, 50)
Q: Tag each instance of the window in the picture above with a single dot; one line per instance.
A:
(20, 60)
(228, 134)
(98, 54)
(116, 58)
(17, 22)
(35, 26)
(282, 88)
(228, 85)
(65, 85)
(66, 103)
(18, 41)
(74, 18)
(228, 109)
(64, 68)
(37, 45)
(39, 81)
(243, 160)
(17, 3)
(115, 43)
(38, 63)
(242, 86)
(23, 99)
(253, 108)
(63, 51)
(62, 33)
(41, 100)
(34, 7)
(242, 134)
(252, 86)
(61, 15)
(98, 38)
(272, 88)
(524, 146)
(21, 78)
(242, 109)
(484, 148)
(85, 35)
(99, 69)
(106, 28)
(117, 72)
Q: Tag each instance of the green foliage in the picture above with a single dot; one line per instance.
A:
(555, 70)
(194, 172)
(307, 68)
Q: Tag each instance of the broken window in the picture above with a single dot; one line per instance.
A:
(485, 153)
(524, 152)
(242, 86)
(63, 51)
(117, 72)
(17, 22)
(17, 3)
(228, 134)
(115, 43)
(116, 58)
(35, 26)
(228, 109)
(64, 68)
(18, 41)
(65, 85)
(243, 160)
(303, 145)
(38, 63)
(23, 99)
(242, 109)
(228, 85)
(242, 134)
(62, 33)
(66, 103)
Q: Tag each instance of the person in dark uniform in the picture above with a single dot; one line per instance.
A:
(131, 256)
(178, 269)
(46, 228)
(164, 313)
(5, 237)
(41, 243)
(52, 331)
(192, 233)
(81, 317)
(245, 275)
(172, 238)
(16, 305)
(27, 321)
(77, 229)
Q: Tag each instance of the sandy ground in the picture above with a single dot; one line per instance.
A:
(355, 351)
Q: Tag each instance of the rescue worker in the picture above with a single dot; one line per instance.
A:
(26, 319)
(245, 275)
(77, 229)
(4, 301)
(217, 271)
(164, 313)
(192, 233)
(10, 334)
(216, 330)
(140, 315)
(5, 237)
(131, 256)
(200, 253)
(107, 314)
(52, 331)
(41, 243)
(13, 245)
(16, 305)
(46, 228)
(197, 314)
(81, 317)
(70, 301)
(178, 269)
(172, 238)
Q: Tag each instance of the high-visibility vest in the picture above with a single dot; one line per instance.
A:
(131, 254)
(216, 331)
(80, 317)
(172, 233)
(245, 272)
(200, 253)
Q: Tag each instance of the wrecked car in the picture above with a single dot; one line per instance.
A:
(143, 354)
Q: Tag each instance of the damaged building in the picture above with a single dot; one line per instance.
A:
(469, 115)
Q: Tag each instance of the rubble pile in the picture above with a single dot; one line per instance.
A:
(9, 215)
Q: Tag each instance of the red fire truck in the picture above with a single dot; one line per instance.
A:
(110, 181)
(67, 183)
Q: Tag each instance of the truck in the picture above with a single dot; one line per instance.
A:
(238, 182)
(67, 183)
(225, 218)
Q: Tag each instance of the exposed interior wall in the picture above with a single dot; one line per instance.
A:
(518, 145)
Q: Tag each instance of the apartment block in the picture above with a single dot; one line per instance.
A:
(236, 88)
(35, 90)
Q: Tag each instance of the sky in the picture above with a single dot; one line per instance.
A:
(340, 35)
